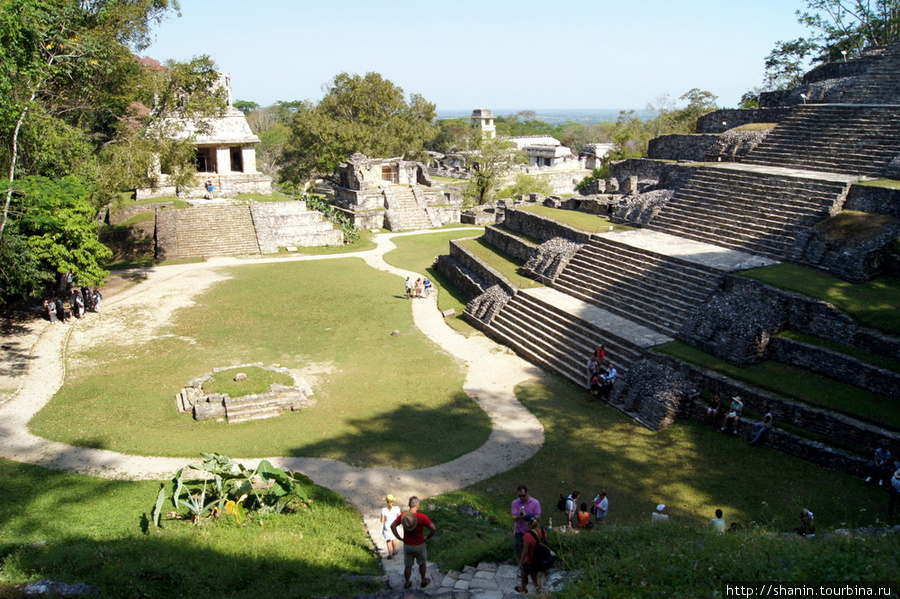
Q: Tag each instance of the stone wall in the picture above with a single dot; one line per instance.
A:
(682, 147)
(466, 282)
(119, 215)
(642, 168)
(538, 227)
(738, 323)
(483, 271)
(859, 434)
(850, 260)
(290, 224)
(875, 200)
(834, 365)
(720, 121)
(509, 244)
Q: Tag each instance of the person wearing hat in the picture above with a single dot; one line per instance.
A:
(389, 513)
(733, 417)
(660, 514)
(414, 539)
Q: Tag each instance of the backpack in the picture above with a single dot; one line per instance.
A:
(543, 558)
(561, 504)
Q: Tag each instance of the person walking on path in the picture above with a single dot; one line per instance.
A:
(389, 513)
(408, 288)
(522, 507)
(414, 523)
(528, 565)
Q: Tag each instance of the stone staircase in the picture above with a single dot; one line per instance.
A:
(404, 212)
(206, 231)
(836, 138)
(559, 332)
(291, 224)
(651, 289)
(756, 211)
(881, 85)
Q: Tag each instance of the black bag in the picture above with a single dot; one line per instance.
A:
(542, 559)
(561, 504)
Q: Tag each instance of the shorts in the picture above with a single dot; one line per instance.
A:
(414, 553)
(529, 568)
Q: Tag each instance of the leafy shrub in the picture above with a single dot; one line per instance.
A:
(351, 233)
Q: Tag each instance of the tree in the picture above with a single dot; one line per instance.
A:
(367, 114)
(490, 159)
(838, 29)
(77, 104)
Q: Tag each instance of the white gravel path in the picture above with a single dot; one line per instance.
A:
(492, 374)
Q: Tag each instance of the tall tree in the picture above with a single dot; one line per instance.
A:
(490, 158)
(838, 29)
(367, 114)
(75, 102)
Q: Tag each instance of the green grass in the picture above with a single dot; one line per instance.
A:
(258, 381)
(880, 361)
(417, 253)
(590, 223)
(854, 227)
(888, 183)
(796, 383)
(875, 304)
(254, 198)
(507, 266)
(332, 317)
(140, 217)
(756, 127)
(150, 261)
(690, 467)
(74, 528)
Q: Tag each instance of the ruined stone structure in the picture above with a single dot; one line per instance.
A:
(226, 156)
(394, 194)
(483, 120)
(678, 276)
(221, 406)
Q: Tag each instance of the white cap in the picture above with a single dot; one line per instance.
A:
(660, 507)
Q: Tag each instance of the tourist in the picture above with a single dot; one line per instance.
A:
(583, 517)
(608, 380)
(881, 467)
(88, 299)
(714, 410)
(414, 551)
(807, 527)
(427, 285)
(389, 513)
(209, 189)
(762, 428)
(61, 310)
(600, 354)
(78, 304)
(893, 492)
(50, 309)
(96, 300)
(718, 523)
(418, 288)
(593, 368)
(523, 506)
(408, 288)
(601, 507)
(660, 514)
(733, 417)
(529, 562)
(571, 508)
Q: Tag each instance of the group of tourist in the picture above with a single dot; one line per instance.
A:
(75, 303)
(885, 472)
(418, 289)
(601, 374)
(732, 418)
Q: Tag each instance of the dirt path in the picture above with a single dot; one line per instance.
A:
(34, 369)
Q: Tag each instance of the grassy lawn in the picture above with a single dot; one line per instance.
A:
(417, 253)
(875, 304)
(591, 223)
(334, 317)
(506, 265)
(74, 528)
(690, 467)
(796, 383)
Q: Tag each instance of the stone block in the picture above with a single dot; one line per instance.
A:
(449, 312)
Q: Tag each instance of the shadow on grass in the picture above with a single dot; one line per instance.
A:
(386, 437)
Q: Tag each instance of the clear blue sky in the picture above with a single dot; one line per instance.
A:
(462, 54)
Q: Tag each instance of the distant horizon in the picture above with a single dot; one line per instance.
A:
(549, 115)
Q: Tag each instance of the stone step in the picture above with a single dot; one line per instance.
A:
(246, 413)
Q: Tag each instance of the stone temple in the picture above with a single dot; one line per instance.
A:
(752, 188)
(225, 155)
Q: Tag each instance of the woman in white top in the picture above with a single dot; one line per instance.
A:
(389, 513)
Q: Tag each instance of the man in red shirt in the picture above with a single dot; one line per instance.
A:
(414, 523)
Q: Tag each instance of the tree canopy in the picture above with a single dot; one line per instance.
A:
(367, 114)
(77, 105)
(839, 29)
